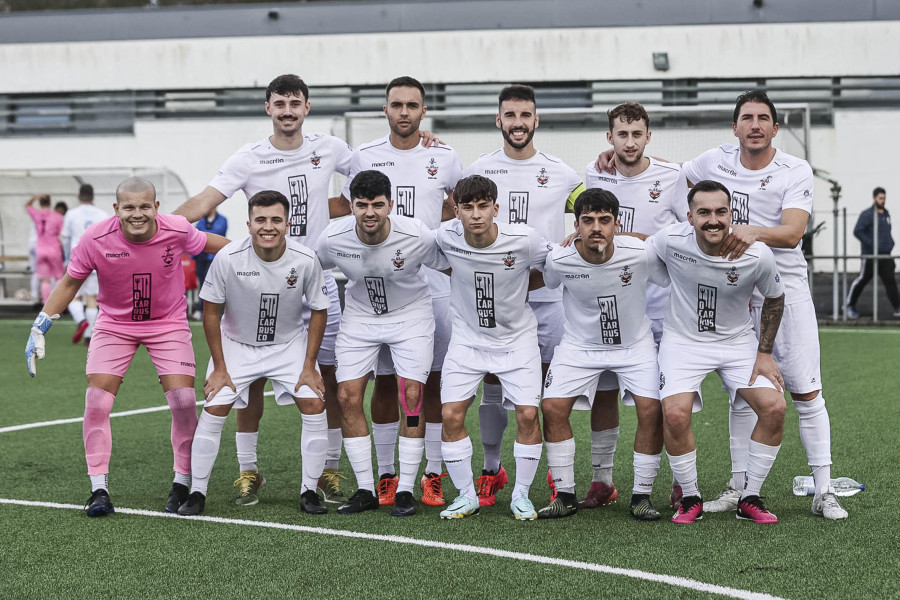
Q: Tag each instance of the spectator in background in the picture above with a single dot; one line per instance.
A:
(61, 207)
(865, 233)
(213, 222)
(48, 250)
(83, 308)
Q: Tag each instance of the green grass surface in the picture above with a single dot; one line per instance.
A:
(56, 553)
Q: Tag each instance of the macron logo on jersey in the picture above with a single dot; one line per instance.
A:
(271, 161)
(680, 256)
(117, 255)
(727, 171)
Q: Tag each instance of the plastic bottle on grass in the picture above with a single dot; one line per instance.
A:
(843, 486)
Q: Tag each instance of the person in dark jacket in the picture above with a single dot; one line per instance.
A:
(865, 233)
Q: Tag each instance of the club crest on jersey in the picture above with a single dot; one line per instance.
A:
(168, 257)
(509, 260)
(549, 379)
(315, 159)
(764, 182)
(398, 260)
(543, 177)
(662, 381)
(732, 275)
(431, 168)
(655, 191)
(292, 278)
(625, 275)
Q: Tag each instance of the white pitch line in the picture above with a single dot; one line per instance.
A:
(535, 558)
(126, 413)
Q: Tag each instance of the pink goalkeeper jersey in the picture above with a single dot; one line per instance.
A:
(48, 224)
(141, 284)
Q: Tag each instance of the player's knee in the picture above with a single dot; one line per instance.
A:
(676, 418)
(772, 413)
(807, 397)
(555, 410)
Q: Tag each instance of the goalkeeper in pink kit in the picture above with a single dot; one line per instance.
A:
(136, 254)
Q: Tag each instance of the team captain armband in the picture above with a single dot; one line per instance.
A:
(570, 201)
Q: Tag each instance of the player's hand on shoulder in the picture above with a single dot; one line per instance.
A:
(35, 346)
(738, 240)
(766, 366)
(429, 139)
(217, 380)
(569, 240)
(606, 162)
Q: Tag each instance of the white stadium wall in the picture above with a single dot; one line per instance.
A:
(857, 149)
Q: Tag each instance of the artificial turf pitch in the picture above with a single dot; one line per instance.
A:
(56, 552)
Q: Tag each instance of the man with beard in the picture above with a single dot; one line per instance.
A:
(422, 181)
(534, 189)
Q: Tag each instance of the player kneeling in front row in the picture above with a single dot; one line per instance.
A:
(141, 297)
(388, 303)
(604, 281)
(260, 282)
(707, 320)
(494, 331)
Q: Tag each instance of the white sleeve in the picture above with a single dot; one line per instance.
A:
(551, 277)
(354, 169)
(343, 156)
(322, 251)
(456, 173)
(213, 289)
(800, 193)
(768, 281)
(314, 287)
(540, 248)
(432, 256)
(232, 175)
(657, 272)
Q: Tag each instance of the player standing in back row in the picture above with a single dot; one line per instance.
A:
(534, 189)
(422, 182)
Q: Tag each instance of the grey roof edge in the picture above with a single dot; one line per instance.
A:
(367, 16)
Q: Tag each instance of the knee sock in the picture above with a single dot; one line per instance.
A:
(76, 309)
(333, 457)
(603, 450)
(458, 459)
(313, 448)
(183, 404)
(359, 452)
(527, 458)
(760, 461)
(246, 449)
(433, 456)
(685, 469)
(646, 466)
(561, 460)
(410, 458)
(97, 433)
(815, 433)
(741, 422)
(385, 437)
(204, 450)
(492, 420)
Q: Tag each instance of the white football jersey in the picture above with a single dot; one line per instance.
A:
(534, 192)
(302, 175)
(605, 304)
(759, 198)
(385, 282)
(421, 178)
(263, 299)
(489, 286)
(647, 202)
(76, 222)
(710, 299)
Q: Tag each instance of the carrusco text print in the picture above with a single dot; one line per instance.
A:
(706, 307)
(610, 331)
(377, 295)
(518, 207)
(626, 219)
(484, 299)
(405, 201)
(268, 315)
(299, 205)
(140, 298)
(740, 208)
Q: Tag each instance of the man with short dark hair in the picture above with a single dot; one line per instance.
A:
(253, 320)
(864, 231)
(387, 307)
(136, 257)
(494, 331)
(707, 320)
(300, 166)
(422, 181)
(534, 189)
(49, 253)
(604, 280)
(84, 307)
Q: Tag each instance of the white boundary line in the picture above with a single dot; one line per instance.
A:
(535, 558)
(126, 413)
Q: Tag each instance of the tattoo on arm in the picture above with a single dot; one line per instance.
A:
(770, 319)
